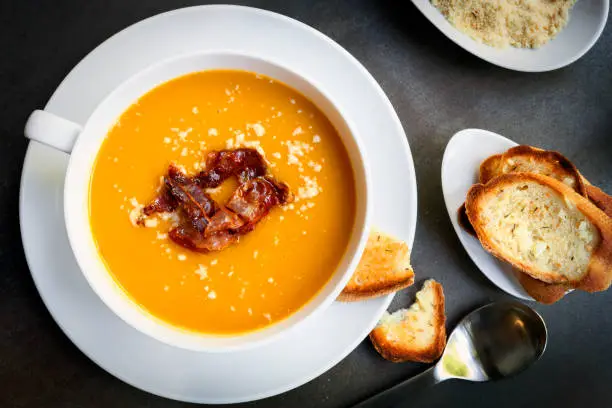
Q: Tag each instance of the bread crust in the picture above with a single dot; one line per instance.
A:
(400, 352)
(375, 290)
(546, 293)
(490, 168)
(384, 268)
(602, 200)
(598, 275)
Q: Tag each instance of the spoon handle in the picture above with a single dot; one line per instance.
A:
(397, 395)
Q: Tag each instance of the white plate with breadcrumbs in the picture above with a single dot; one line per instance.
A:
(587, 20)
(460, 167)
(135, 358)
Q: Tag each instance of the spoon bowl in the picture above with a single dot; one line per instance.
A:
(586, 23)
(495, 341)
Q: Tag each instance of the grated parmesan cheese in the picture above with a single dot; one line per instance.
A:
(315, 166)
(257, 128)
(240, 141)
(150, 222)
(297, 149)
(502, 23)
(310, 188)
(136, 212)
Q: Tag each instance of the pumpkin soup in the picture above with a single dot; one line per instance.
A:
(275, 268)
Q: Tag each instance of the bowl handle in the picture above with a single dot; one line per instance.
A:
(52, 130)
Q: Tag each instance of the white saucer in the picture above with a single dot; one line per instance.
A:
(126, 353)
(460, 166)
(587, 21)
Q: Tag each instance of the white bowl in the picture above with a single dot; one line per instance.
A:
(84, 143)
(586, 23)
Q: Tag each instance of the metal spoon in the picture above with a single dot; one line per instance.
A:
(495, 341)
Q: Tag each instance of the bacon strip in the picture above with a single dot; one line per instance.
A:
(253, 200)
(191, 239)
(223, 220)
(165, 202)
(194, 202)
(207, 226)
(245, 164)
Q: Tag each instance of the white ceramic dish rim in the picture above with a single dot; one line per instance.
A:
(494, 56)
(76, 200)
(44, 263)
(490, 266)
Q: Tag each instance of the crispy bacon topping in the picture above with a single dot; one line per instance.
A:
(165, 202)
(245, 164)
(206, 225)
(253, 199)
(191, 239)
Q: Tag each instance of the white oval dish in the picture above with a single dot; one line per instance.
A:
(587, 21)
(460, 164)
(126, 353)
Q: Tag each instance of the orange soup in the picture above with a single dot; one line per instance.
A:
(273, 270)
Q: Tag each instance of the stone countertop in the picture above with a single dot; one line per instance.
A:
(437, 89)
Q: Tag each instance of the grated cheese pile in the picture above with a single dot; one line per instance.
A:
(500, 23)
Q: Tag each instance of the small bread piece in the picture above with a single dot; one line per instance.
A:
(544, 228)
(414, 334)
(546, 293)
(384, 268)
(528, 159)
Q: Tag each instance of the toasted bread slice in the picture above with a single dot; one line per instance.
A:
(417, 333)
(528, 159)
(542, 292)
(544, 228)
(490, 168)
(600, 199)
(384, 268)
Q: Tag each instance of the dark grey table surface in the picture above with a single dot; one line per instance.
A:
(437, 89)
